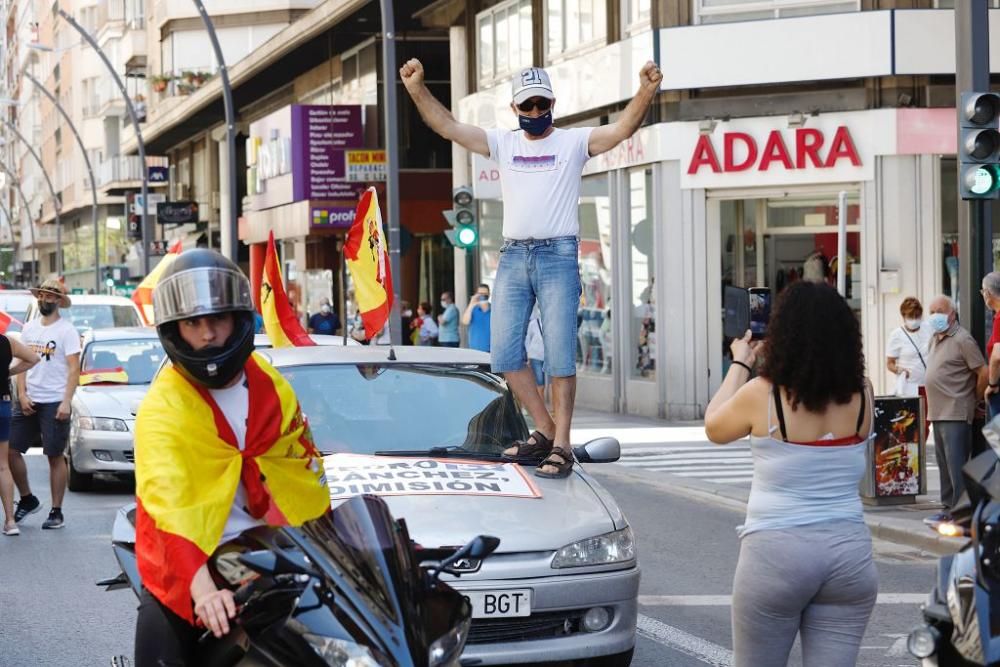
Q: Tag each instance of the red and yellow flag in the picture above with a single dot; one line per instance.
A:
(188, 465)
(143, 295)
(280, 322)
(367, 256)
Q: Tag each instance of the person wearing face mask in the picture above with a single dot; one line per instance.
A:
(325, 322)
(541, 169)
(44, 398)
(448, 321)
(956, 378)
(908, 348)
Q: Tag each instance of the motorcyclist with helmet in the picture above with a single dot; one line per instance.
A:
(221, 446)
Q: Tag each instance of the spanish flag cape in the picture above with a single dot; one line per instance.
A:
(188, 466)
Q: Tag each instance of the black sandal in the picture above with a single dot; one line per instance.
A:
(540, 448)
(563, 467)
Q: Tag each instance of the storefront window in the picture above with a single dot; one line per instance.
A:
(594, 333)
(721, 11)
(643, 299)
(490, 238)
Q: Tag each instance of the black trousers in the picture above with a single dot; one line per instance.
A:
(162, 638)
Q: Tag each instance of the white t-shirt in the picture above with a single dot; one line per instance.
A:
(540, 181)
(46, 381)
(234, 402)
(907, 358)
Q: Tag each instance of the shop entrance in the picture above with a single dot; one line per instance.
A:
(777, 240)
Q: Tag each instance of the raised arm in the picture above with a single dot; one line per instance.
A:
(606, 137)
(437, 116)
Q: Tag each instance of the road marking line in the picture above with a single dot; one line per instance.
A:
(666, 449)
(709, 473)
(657, 460)
(683, 642)
(726, 600)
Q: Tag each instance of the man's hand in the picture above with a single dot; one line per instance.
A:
(990, 391)
(412, 74)
(214, 610)
(650, 76)
(63, 411)
(27, 407)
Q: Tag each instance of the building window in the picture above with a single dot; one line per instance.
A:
(594, 352)
(636, 16)
(503, 41)
(572, 26)
(643, 259)
(722, 11)
(950, 4)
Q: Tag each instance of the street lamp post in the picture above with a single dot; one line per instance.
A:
(56, 204)
(90, 170)
(147, 232)
(27, 208)
(392, 161)
(231, 249)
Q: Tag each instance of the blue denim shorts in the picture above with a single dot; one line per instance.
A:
(546, 270)
(538, 368)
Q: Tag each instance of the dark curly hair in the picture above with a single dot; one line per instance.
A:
(813, 347)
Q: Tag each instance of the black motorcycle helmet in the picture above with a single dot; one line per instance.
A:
(203, 282)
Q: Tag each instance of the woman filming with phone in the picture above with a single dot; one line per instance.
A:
(805, 564)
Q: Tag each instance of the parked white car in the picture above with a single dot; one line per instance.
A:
(95, 311)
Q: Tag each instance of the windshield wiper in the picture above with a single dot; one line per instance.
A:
(455, 451)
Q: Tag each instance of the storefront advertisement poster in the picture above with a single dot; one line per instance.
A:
(897, 446)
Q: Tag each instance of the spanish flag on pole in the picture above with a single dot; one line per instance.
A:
(280, 322)
(143, 295)
(367, 256)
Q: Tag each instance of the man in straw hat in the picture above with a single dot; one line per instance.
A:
(44, 395)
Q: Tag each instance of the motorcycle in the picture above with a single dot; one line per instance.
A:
(344, 590)
(961, 618)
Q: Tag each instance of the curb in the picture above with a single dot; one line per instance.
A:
(899, 531)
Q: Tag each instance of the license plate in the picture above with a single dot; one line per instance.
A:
(499, 604)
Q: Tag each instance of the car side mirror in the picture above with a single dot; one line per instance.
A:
(599, 450)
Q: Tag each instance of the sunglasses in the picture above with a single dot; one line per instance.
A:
(540, 103)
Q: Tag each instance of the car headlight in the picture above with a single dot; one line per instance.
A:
(102, 424)
(446, 651)
(340, 652)
(616, 547)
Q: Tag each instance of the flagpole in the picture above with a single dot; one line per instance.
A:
(343, 285)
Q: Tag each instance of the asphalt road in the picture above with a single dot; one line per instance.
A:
(51, 613)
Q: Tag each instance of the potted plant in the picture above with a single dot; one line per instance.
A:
(185, 87)
(159, 82)
(188, 76)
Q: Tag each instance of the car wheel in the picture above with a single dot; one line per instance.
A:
(623, 659)
(78, 481)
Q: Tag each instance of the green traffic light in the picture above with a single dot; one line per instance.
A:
(467, 237)
(984, 180)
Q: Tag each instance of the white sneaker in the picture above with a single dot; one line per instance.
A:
(12, 532)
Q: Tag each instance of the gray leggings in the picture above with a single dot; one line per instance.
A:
(819, 581)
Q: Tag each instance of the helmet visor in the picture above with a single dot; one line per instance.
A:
(199, 292)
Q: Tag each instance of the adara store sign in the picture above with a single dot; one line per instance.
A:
(747, 157)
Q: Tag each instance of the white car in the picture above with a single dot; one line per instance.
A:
(95, 311)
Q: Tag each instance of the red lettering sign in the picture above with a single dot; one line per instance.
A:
(740, 151)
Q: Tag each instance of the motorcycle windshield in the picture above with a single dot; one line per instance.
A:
(365, 554)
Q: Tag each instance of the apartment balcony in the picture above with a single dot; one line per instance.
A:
(44, 235)
(119, 174)
(132, 49)
(165, 11)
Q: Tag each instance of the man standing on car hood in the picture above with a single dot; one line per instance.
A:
(541, 168)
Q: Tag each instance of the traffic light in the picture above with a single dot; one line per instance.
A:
(462, 219)
(979, 146)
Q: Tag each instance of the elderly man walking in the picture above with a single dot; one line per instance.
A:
(540, 174)
(956, 378)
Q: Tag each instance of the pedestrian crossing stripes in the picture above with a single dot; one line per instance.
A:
(726, 464)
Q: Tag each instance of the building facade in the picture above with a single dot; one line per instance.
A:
(769, 114)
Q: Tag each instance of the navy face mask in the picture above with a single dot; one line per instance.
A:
(535, 126)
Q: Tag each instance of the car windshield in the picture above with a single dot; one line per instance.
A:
(15, 305)
(370, 408)
(138, 358)
(87, 316)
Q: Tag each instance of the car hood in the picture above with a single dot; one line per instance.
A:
(109, 400)
(567, 511)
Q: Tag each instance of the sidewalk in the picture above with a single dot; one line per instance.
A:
(902, 524)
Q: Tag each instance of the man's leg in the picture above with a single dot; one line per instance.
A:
(19, 471)
(563, 398)
(941, 455)
(513, 301)
(57, 479)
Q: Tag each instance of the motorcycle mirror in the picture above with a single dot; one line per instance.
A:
(275, 562)
(483, 546)
(599, 450)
